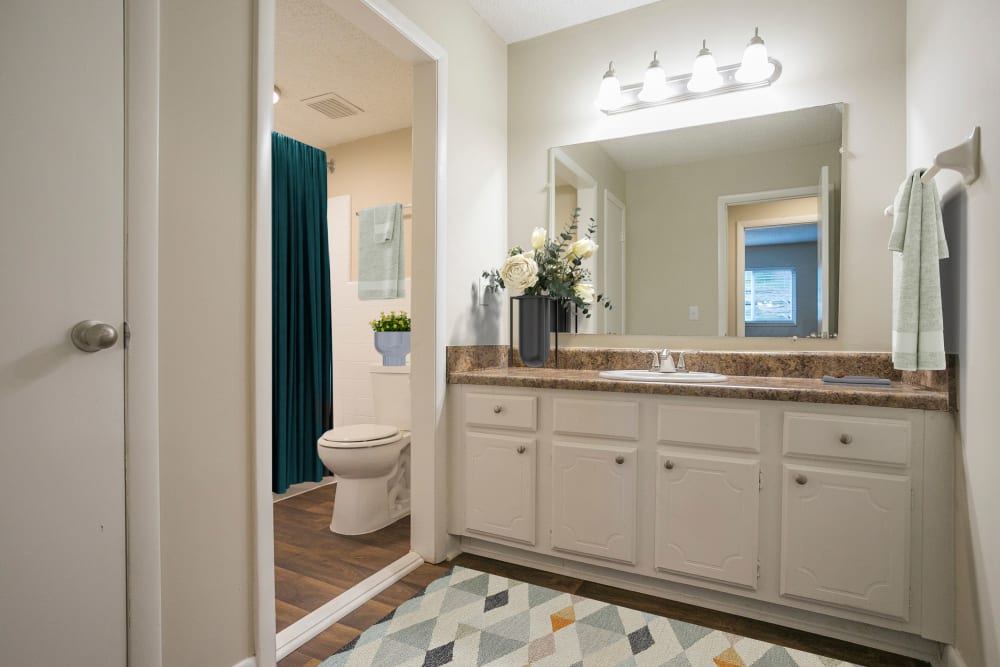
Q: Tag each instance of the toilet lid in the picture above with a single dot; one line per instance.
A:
(360, 435)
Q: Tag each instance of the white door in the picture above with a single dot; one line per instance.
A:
(823, 260)
(707, 523)
(500, 483)
(614, 264)
(831, 518)
(593, 500)
(62, 492)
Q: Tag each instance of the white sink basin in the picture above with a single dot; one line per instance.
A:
(654, 376)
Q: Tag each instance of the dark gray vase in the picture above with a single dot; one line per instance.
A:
(533, 327)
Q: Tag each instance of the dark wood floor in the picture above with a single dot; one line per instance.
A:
(312, 565)
(352, 625)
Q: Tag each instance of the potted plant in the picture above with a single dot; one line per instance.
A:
(551, 270)
(392, 337)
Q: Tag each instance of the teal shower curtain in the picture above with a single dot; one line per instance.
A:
(302, 354)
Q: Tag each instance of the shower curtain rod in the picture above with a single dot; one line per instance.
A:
(404, 206)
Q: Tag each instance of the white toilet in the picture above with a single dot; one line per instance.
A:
(372, 461)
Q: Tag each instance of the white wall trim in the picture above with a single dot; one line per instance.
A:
(142, 456)
(247, 662)
(263, 533)
(620, 247)
(724, 203)
(429, 535)
(952, 658)
(315, 622)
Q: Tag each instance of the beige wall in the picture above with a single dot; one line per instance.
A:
(952, 70)
(375, 170)
(205, 381)
(553, 82)
(672, 232)
(476, 206)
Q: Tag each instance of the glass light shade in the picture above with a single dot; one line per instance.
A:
(275, 95)
(610, 95)
(704, 74)
(755, 66)
(654, 83)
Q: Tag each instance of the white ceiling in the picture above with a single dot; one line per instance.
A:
(318, 52)
(803, 127)
(516, 20)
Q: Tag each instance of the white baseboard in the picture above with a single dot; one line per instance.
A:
(247, 662)
(952, 658)
(304, 629)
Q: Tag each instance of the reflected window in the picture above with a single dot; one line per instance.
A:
(769, 296)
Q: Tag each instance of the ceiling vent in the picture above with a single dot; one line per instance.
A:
(333, 106)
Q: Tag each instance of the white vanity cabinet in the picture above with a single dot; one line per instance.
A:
(593, 500)
(830, 518)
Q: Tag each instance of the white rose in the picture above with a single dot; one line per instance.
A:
(519, 272)
(586, 292)
(583, 248)
(538, 237)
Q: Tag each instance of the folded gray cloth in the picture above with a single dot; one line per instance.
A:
(857, 379)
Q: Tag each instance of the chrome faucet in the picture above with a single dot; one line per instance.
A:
(656, 360)
(681, 368)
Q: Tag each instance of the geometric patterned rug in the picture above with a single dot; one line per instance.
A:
(469, 617)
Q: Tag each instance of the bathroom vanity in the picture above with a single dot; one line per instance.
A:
(822, 507)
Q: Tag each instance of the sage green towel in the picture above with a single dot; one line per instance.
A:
(918, 244)
(380, 252)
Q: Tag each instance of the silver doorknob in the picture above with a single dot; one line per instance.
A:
(619, 460)
(846, 438)
(801, 479)
(497, 409)
(668, 464)
(93, 336)
(521, 449)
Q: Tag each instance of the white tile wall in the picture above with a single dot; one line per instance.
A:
(353, 351)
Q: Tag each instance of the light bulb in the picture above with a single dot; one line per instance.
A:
(610, 95)
(755, 66)
(275, 95)
(654, 83)
(704, 73)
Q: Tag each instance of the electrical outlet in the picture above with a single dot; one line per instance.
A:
(693, 313)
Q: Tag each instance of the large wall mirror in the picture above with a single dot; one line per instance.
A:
(723, 229)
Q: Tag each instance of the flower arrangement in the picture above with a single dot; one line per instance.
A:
(552, 267)
(391, 322)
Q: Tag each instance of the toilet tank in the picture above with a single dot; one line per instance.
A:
(391, 395)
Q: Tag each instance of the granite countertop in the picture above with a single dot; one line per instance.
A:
(764, 388)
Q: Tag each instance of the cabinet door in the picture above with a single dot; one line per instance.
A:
(845, 539)
(593, 500)
(707, 521)
(500, 486)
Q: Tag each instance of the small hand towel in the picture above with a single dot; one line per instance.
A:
(918, 244)
(381, 270)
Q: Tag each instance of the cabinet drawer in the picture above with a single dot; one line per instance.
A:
(726, 428)
(848, 438)
(600, 419)
(501, 411)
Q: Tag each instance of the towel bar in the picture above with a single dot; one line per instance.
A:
(963, 158)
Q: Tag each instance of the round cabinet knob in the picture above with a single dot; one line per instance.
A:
(801, 479)
(846, 438)
(497, 409)
(668, 464)
(619, 459)
(521, 449)
(93, 336)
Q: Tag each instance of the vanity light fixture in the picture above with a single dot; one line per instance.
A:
(275, 95)
(705, 73)
(755, 71)
(755, 66)
(610, 96)
(654, 83)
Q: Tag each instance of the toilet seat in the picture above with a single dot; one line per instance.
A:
(360, 436)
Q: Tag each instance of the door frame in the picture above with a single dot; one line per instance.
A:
(610, 197)
(724, 202)
(429, 536)
(142, 483)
